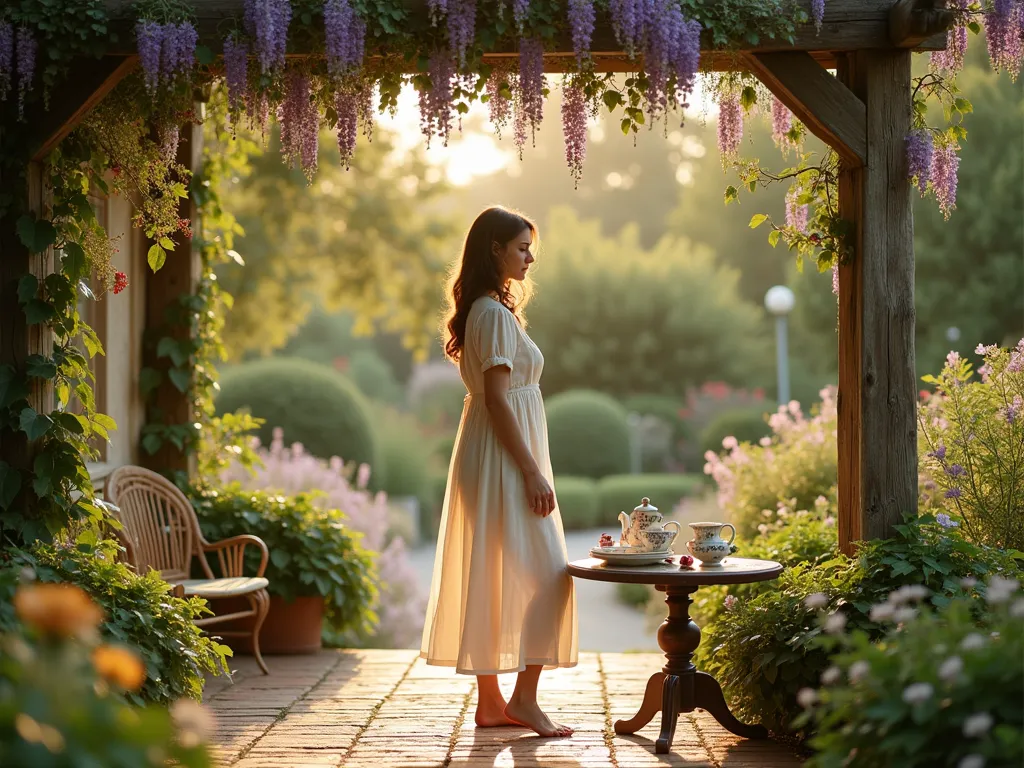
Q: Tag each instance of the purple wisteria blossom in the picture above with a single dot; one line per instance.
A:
(266, 22)
(461, 27)
(438, 10)
(25, 61)
(257, 109)
(6, 58)
(300, 124)
(530, 101)
(945, 162)
(671, 51)
(920, 151)
(782, 123)
(951, 59)
(344, 38)
(436, 102)
(520, 11)
(835, 279)
(1002, 32)
(149, 37)
(796, 213)
(629, 21)
(581, 21)
(170, 136)
(165, 50)
(730, 123)
(574, 127)
(346, 104)
(817, 13)
(499, 103)
(236, 72)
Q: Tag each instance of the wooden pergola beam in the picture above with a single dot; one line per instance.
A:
(913, 21)
(848, 25)
(829, 109)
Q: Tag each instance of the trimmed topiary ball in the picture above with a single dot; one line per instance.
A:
(312, 403)
(747, 425)
(588, 433)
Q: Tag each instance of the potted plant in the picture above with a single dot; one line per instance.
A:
(320, 575)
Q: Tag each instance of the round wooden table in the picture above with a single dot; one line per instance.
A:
(679, 687)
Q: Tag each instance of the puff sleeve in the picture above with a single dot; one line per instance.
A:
(497, 337)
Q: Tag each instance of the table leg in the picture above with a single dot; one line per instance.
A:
(650, 707)
(708, 696)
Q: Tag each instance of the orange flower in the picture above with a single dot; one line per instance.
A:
(119, 666)
(63, 610)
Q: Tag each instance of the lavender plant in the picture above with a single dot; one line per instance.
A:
(972, 445)
(6, 58)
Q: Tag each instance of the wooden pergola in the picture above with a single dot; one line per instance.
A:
(863, 111)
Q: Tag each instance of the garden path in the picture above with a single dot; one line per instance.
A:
(387, 709)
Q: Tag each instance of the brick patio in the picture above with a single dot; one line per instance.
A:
(387, 709)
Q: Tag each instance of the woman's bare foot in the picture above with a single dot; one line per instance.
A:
(490, 713)
(529, 715)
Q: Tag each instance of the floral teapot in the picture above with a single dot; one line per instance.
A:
(643, 528)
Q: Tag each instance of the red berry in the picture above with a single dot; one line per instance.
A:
(685, 561)
(120, 281)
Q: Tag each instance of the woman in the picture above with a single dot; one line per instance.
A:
(501, 599)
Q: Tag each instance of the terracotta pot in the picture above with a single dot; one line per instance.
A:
(290, 628)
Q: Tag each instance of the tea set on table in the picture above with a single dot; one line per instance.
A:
(646, 540)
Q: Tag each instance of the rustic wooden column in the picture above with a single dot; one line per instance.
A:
(877, 379)
(165, 317)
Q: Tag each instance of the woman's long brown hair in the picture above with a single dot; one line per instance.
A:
(480, 274)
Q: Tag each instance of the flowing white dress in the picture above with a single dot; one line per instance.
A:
(500, 597)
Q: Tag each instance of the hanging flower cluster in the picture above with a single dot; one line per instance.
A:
(354, 105)
(17, 58)
(951, 59)
(817, 13)
(796, 212)
(299, 119)
(945, 162)
(574, 126)
(581, 23)
(1004, 27)
(920, 152)
(236, 72)
(166, 50)
(730, 122)
(671, 55)
(499, 97)
(266, 22)
(529, 97)
(436, 107)
(520, 12)
(782, 124)
(344, 38)
(461, 27)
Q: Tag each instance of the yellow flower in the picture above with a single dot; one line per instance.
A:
(120, 666)
(63, 610)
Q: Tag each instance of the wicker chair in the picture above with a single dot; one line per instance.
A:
(161, 531)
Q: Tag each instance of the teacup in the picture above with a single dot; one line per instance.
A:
(658, 540)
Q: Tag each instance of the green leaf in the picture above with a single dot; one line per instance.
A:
(34, 424)
(625, 125)
(204, 55)
(28, 286)
(37, 311)
(181, 378)
(773, 237)
(731, 193)
(149, 379)
(74, 261)
(963, 105)
(752, 185)
(280, 558)
(12, 387)
(156, 257)
(151, 443)
(36, 234)
(757, 220)
(10, 484)
(40, 367)
(166, 243)
(748, 96)
(611, 99)
(170, 347)
(71, 423)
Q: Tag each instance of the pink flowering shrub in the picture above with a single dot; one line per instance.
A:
(788, 470)
(291, 470)
(971, 441)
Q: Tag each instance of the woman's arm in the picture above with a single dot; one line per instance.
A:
(538, 491)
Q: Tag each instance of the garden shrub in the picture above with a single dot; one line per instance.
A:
(703, 404)
(588, 434)
(746, 425)
(577, 502)
(797, 464)
(763, 650)
(62, 692)
(312, 550)
(666, 413)
(138, 612)
(972, 446)
(374, 377)
(404, 457)
(330, 487)
(944, 687)
(312, 404)
(436, 395)
(620, 493)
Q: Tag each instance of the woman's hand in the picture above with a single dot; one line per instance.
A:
(539, 494)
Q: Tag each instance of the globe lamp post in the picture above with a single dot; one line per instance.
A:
(779, 301)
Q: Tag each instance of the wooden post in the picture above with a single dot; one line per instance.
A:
(877, 379)
(164, 316)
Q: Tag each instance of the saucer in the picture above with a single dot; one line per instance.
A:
(630, 556)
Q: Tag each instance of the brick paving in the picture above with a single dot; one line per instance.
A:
(387, 709)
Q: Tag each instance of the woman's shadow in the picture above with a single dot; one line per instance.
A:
(512, 748)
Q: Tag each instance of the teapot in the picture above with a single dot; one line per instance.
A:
(645, 519)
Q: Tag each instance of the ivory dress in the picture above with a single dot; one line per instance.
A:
(501, 596)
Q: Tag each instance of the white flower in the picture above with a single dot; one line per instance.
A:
(1017, 609)
(816, 600)
(729, 442)
(973, 642)
(806, 697)
(917, 693)
(881, 612)
(831, 675)
(762, 529)
(767, 512)
(858, 670)
(765, 442)
(908, 593)
(971, 761)
(730, 602)
(835, 622)
(950, 668)
(968, 582)
(194, 721)
(977, 725)
(1000, 589)
(904, 614)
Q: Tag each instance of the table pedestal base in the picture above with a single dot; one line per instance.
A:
(679, 687)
